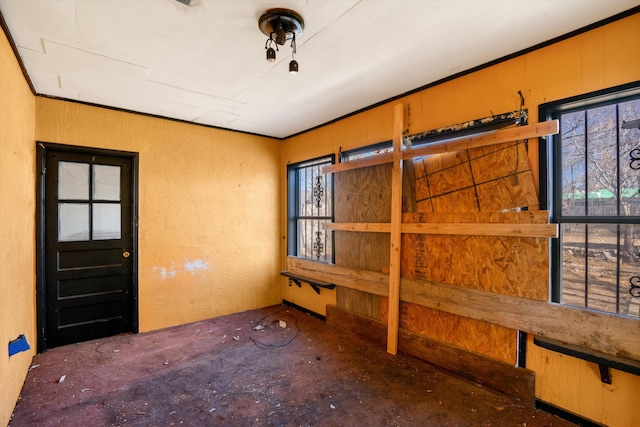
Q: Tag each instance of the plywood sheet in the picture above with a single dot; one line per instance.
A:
(362, 195)
(362, 303)
(513, 266)
(484, 179)
(475, 186)
(480, 337)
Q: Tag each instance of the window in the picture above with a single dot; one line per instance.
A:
(310, 205)
(89, 206)
(368, 151)
(594, 195)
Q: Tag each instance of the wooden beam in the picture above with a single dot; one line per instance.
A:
(515, 383)
(489, 138)
(602, 332)
(483, 229)
(606, 333)
(366, 227)
(396, 232)
(551, 127)
(359, 163)
(460, 229)
(352, 278)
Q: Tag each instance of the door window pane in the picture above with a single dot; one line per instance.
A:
(73, 181)
(73, 222)
(106, 221)
(106, 182)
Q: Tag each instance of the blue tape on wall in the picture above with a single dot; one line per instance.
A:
(18, 345)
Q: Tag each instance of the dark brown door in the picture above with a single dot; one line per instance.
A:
(88, 289)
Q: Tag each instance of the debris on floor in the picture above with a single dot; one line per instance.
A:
(308, 373)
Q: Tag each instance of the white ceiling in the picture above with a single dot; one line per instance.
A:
(205, 63)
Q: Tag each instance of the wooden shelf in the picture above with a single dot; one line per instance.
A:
(315, 284)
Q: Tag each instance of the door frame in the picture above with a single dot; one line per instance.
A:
(41, 285)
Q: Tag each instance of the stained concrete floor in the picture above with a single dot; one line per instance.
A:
(247, 369)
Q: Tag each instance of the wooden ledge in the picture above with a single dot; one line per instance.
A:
(315, 284)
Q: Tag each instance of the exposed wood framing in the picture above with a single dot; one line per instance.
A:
(537, 130)
(354, 278)
(397, 288)
(506, 135)
(396, 232)
(607, 333)
(461, 229)
(378, 159)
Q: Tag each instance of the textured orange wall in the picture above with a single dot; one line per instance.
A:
(209, 210)
(575, 385)
(17, 226)
(588, 62)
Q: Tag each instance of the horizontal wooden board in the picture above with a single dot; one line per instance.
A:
(490, 138)
(378, 159)
(460, 229)
(354, 278)
(496, 137)
(615, 335)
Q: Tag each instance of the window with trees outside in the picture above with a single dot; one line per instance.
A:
(310, 204)
(594, 195)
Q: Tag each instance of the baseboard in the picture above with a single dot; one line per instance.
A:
(304, 310)
(569, 416)
(513, 382)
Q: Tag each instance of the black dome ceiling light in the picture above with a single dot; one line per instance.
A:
(281, 25)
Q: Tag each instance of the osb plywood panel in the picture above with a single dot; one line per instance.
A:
(362, 195)
(441, 162)
(506, 265)
(408, 186)
(489, 163)
(519, 190)
(475, 186)
(473, 335)
(465, 200)
(484, 179)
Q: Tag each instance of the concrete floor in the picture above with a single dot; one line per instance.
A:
(244, 370)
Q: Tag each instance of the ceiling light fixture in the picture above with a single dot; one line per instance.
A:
(281, 25)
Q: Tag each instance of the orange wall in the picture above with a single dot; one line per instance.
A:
(612, 404)
(209, 209)
(17, 226)
(209, 213)
(217, 199)
(588, 62)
